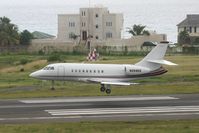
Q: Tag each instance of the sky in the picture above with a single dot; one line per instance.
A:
(56, 2)
(159, 15)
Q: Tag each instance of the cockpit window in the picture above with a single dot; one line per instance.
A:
(48, 68)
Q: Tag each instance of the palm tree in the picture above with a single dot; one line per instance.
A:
(183, 37)
(137, 30)
(8, 32)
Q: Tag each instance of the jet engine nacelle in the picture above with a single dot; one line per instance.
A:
(135, 70)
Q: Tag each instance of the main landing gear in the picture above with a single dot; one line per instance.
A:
(105, 88)
(53, 84)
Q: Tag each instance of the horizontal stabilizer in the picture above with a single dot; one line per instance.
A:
(164, 62)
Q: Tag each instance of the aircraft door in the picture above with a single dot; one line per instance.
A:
(61, 72)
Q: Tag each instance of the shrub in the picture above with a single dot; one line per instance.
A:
(54, 57)
(23, 61)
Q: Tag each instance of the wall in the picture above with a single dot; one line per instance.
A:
(63, 26)
(132, 44)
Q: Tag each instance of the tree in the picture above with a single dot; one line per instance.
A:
(8, 32)
(137, 30)
(183, 37)
(25, 37)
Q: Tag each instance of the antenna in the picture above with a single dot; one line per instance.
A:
(89, 3)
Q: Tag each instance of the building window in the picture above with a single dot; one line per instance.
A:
(71, 24)
(97, 26)
(83, 24)
(195, 29)
(190, 29)
(109, 35)
(109, 24)
(71, 35)
(96, 15)
(185, 28)
(83, 13)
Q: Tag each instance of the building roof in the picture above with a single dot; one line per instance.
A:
(191, 20)
(41, 35)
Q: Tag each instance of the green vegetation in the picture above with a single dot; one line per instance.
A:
(183, 38)
(15, 83)
(54, 57)
(174, 126)
(137, 30)
(9, 34)
(25, 37)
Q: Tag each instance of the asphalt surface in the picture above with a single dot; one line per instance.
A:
(110, 108)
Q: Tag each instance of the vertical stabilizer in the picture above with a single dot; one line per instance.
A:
(156, 54)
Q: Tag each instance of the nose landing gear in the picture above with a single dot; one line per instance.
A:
(53, 84)
(105, 88)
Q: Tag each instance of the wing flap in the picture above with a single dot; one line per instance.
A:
(116, 83)
(111, 83)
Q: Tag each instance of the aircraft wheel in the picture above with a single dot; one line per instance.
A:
(108, 91)
(102, 89)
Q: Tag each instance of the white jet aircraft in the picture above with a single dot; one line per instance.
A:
(107, 74)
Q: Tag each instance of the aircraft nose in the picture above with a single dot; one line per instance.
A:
(34, 74)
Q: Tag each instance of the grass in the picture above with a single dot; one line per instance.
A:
(174, 126)
(181, 79)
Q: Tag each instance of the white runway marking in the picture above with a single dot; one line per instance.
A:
(100, 116)
(100, 99)
(134, 110)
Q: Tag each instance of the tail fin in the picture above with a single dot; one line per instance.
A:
(155, 58)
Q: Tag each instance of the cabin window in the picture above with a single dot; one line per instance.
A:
(102, 71)
(83, 71)
(48, 68)
(80, 71)
(94, 71)
(135, 70)
(98, 71)
(75, 70)
(72, 71)
(90, 71)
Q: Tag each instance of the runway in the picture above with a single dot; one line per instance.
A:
(110, 108)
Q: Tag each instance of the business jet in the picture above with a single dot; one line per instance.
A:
(107, 74)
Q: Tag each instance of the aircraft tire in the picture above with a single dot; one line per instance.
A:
(108, 91)
(102, 89)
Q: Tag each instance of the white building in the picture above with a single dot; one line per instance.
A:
(190, 24)
(96, 23)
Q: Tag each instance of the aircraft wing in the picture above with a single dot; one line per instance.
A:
(112, 82)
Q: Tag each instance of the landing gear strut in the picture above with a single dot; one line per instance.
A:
(105, 88)
(53, 84)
